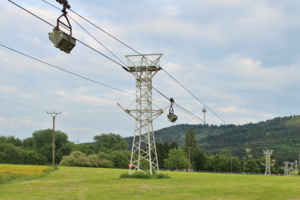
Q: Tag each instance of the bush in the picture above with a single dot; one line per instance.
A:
(79, 159)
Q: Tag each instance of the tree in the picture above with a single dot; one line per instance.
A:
(15, 141)
(176, 159)
(28, 143)
(190, 141)
(42, 143)
(161, 153)
(251, 166)
(110, 141)
(11, 154)
(223, 163)
(199, 160)
(174, 145)
(88, 149)
(120, 158)
(236, 166)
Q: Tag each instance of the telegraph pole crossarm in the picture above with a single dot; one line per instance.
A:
(54, 114)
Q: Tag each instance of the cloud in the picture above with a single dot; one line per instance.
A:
(239, 57)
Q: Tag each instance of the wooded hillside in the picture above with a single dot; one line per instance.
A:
(281, 134)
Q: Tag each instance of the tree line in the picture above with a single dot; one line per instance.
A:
(110, 150)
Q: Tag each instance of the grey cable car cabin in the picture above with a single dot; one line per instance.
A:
(60, 39)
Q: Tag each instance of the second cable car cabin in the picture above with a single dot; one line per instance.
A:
(60, 39)
(171, 116)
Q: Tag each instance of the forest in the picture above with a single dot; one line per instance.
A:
(281, 134)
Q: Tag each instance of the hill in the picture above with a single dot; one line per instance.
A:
(280, 134)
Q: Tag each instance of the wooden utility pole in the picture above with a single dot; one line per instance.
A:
(189, 148)
(53, 147)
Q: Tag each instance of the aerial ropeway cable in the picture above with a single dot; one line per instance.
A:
(145, 58)
(66, 6)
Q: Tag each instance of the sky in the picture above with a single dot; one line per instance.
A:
(239, 57)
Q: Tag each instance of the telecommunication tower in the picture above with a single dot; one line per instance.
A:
(143, 68)
(204, 111)
(268, 154)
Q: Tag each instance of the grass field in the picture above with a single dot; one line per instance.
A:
(97, 183)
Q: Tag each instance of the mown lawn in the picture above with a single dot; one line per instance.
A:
(97, 183)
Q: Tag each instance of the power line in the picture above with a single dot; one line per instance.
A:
(76, 39)
(83, 44)
(146, 58)
(65, 70)
(104, 56)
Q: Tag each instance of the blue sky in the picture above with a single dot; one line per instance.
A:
(240, 57)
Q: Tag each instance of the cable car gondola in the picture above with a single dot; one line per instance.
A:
(60, 39)
(171, 115)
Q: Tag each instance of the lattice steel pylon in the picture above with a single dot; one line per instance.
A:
(143, 68)
(296, 166)
(268, 154)
(291, 168)
(286, 168)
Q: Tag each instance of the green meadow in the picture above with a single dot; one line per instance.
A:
(100, 183)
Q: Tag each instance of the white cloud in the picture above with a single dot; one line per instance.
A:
(239, 57)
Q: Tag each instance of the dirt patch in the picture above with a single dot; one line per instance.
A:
(33, 181)
(68, 189)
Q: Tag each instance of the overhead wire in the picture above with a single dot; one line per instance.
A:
(100, 54)
(67, 117)
(85, 45)
(146, 58)
(65, 70)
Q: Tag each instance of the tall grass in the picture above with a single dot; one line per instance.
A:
(144, 176)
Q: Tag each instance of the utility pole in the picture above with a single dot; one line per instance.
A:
(54, 114)
(189, 148)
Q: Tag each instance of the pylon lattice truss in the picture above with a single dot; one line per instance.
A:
(268, 166)
(143, 68)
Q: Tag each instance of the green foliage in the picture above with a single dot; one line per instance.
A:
(79, 159)
(177, 158)
(144, 176)
(43, 140)
(251, 166)
(110, 141)
(28, 143)
(88, 149)
(121, 159)
(282, 136)
(9, 153)
(190, 141)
